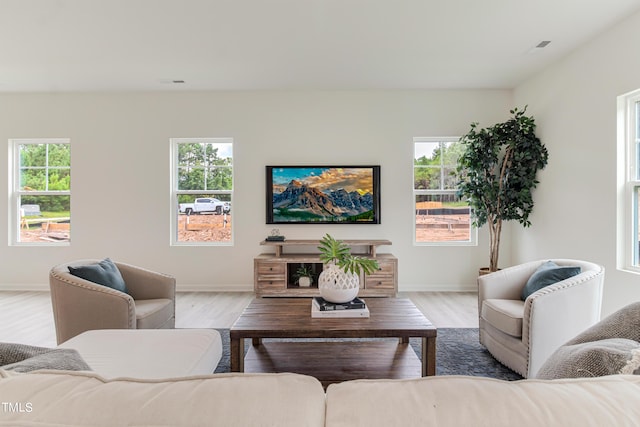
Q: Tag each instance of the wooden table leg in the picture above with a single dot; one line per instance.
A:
(428, 356)
(237, 354)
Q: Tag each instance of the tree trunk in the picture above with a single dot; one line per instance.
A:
(495, 220)
(495, 229)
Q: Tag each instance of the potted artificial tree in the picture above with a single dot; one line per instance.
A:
(339, 281)
(497, 173)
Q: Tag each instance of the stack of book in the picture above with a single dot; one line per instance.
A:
(323, 308)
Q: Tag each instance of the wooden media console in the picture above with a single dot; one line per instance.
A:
(275, 273)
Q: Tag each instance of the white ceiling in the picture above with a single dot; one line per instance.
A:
(78, 45)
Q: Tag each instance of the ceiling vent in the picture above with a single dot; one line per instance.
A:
(539, 46)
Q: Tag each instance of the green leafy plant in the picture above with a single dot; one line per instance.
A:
(497, 174)
(304, 271)
(332, 250)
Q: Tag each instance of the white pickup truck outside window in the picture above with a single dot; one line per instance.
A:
(201, 191)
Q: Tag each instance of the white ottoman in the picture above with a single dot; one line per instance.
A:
(149, 353)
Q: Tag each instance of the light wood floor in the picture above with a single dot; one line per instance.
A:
(27, 317)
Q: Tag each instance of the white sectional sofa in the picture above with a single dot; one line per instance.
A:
(148, 353)
(56, 398)
(163, 378)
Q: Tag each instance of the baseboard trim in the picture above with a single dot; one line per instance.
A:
(24, 287)
(185, 287)
(40, 287)
(437, 288)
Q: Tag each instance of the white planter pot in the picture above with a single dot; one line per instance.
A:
(304, 282)
(337, 286)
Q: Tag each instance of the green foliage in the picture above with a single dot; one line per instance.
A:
(497, 173)
(332, 250)
(46, 167)
(428, 172)
(304, 271)
(201, 168)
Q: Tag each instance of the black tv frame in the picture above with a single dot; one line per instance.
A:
(375, 171)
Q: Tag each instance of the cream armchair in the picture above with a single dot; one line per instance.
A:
(523, 334)
(80, 305)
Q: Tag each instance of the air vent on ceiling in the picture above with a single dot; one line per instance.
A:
(539, 46)
(172, 81)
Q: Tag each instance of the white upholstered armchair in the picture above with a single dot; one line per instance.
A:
(80, 305)
(523, 334)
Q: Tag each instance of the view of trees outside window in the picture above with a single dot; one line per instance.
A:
(42, 190)
(440, 215)
(203, 189)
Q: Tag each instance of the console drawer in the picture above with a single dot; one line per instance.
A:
(270, 268)
(379, 282)
(265, 282)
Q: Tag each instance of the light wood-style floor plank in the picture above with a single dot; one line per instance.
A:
(27, 317)
(447, 309)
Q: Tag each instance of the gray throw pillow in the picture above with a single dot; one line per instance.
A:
(593, 359)
(104, 273)
(25, 358)
(547, 274)
(64, 359)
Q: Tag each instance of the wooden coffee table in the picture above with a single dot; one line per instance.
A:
(333, 361)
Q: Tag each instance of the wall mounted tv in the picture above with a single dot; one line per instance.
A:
(323, 194)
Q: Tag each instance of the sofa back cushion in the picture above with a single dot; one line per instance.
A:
(83, 399)
(454, 401)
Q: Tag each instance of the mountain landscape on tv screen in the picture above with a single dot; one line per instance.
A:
(301, 202)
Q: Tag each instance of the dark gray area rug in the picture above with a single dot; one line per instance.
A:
(458, 352)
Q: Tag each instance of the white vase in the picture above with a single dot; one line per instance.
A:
(304, 281)
(335, 285)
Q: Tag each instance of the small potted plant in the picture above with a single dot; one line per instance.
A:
(304, 275)
(339, 282)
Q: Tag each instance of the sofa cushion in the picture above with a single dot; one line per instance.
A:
(445, 401)
(593, 359)
(153, 313)
(104, 273)
(149, 353)
(85, 399)
(547, 274)
(504, 314)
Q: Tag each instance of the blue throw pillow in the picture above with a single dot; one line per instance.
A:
(104, 273)
(547, 274)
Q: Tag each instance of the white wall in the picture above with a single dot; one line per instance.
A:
(120, 174)
(574, 103)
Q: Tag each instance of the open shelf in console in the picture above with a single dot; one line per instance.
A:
(292, 274)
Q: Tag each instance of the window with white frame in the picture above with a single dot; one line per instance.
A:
(441, 217)
(629, 165)
(40, 176)
(202, 191)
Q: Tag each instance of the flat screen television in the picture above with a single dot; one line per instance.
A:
(323, 194)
